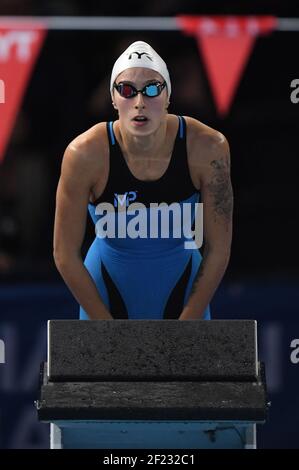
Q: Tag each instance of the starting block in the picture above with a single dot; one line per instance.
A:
(192, 384)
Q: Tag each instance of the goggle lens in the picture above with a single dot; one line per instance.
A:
(126, 90)
(152, 90)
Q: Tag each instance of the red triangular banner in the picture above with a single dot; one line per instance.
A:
(20, 45)
(225, 44)
(225, 59)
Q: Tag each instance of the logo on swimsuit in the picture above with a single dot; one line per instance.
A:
(124, 199)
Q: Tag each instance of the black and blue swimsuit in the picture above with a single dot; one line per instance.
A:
(143, 277)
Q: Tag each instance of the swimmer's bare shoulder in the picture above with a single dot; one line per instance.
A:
(206, 147)
(85, 163)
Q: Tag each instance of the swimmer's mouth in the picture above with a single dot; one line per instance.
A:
(140, 118)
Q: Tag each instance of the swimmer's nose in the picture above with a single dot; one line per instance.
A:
(139, 101)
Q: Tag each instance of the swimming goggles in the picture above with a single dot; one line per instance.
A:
(151, 90)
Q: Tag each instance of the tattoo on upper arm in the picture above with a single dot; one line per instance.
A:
(221, 190)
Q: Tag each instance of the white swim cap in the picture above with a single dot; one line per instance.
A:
(140, 54)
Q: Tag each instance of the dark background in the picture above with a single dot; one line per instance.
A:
(68, 93)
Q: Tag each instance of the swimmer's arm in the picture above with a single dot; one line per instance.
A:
(69, 230)
(217, 198)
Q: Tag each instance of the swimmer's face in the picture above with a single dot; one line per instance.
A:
(154, 109)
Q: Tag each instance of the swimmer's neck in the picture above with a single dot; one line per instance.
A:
(143, 146)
